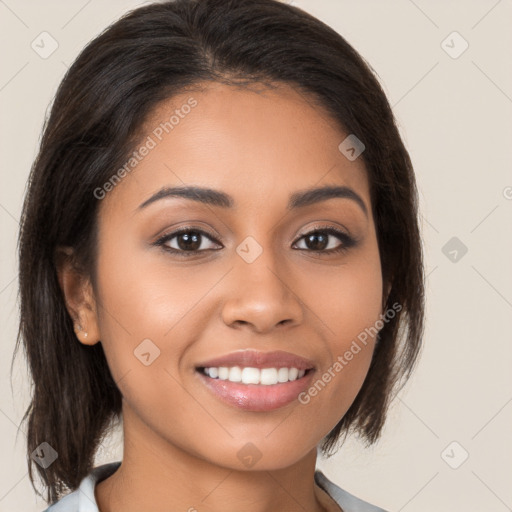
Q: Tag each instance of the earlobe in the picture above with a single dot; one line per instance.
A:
(80, 333)
(78, 296)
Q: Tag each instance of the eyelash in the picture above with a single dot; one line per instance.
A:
(347, 241)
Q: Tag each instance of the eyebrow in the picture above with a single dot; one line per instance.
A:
(298, 199)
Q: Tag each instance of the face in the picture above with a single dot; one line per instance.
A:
(264, 277)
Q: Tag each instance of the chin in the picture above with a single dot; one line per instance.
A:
(260, 453)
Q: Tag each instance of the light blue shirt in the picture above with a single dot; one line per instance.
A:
(83, 499)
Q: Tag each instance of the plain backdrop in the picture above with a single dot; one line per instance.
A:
(447, 445)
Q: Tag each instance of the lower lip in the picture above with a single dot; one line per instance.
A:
(257, 397)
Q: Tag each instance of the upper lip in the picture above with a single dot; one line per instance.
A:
(257, 359)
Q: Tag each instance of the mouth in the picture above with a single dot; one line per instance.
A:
(256, 381)
(258, 376)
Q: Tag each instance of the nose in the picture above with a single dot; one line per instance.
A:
(261, 295)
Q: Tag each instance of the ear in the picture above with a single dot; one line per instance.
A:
(78, 296)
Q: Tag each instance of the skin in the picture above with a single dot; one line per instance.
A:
(180, 441)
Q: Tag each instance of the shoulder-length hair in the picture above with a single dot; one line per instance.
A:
(149, 55)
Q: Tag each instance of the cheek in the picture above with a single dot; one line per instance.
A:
(147, 325)
(349, 299)
(143, 309)
(150, 312)
(141, 295)
(349, 305)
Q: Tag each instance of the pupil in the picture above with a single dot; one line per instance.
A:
(313, 239)
(191, 241)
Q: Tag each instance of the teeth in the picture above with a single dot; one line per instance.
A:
(282, 375)
(268, 376)
(235, 374)
(248, 375)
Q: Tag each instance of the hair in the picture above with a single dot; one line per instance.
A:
(149, 55)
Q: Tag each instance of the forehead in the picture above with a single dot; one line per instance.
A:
(257, 144)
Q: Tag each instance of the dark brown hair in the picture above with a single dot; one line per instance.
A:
(149, 55)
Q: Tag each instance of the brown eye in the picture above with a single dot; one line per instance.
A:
(317, 241)
(190, 241)
(323, 240)
(186, 240)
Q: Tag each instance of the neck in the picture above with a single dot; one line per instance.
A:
(158, 476)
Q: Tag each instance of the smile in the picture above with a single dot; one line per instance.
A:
(248, 375)
(262, 390)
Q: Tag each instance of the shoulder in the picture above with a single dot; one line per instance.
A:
(344, 499)
(67, 503)
(83, 499)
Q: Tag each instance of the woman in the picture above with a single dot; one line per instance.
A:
(219, 246)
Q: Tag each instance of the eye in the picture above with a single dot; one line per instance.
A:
(322, 240)
(188, 240)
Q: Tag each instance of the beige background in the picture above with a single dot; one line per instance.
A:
(455, 116)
